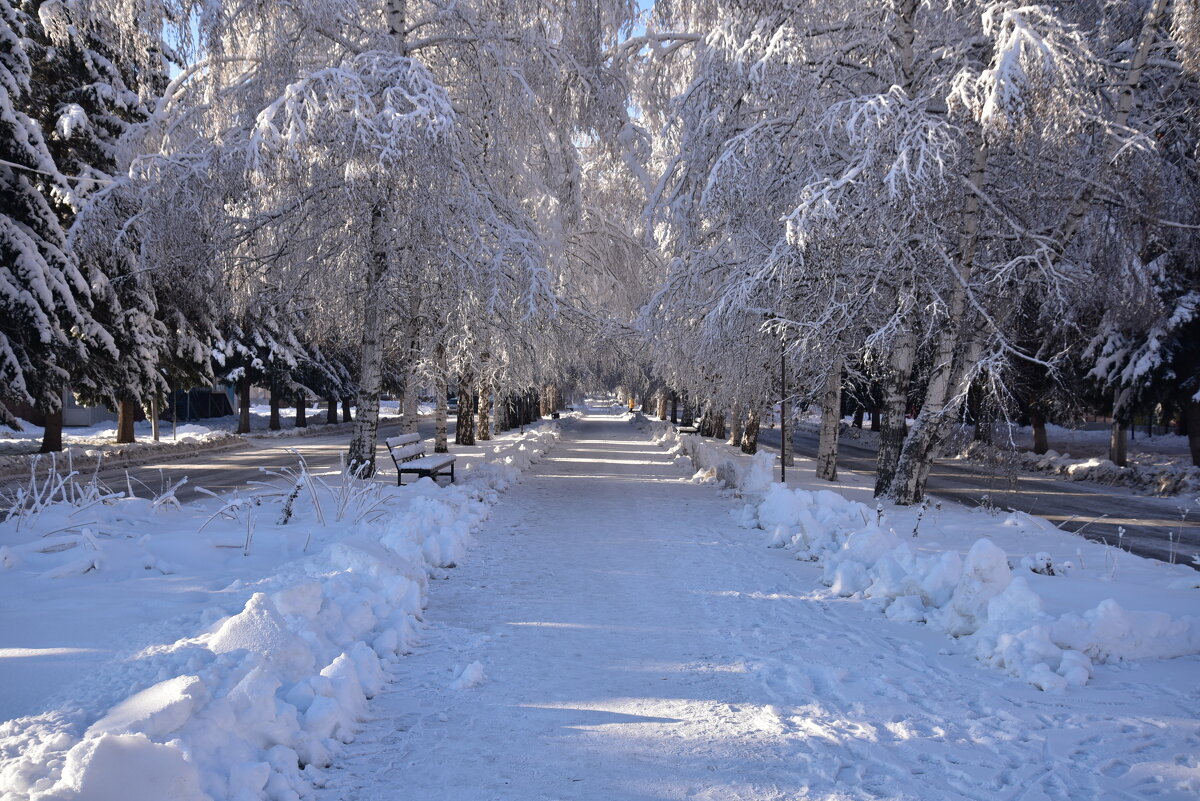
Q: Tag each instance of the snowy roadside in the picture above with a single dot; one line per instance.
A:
(1159, 466)
(1147, 474)
(87, 459)
(222, 650)
(1009, 589)
(89, 447)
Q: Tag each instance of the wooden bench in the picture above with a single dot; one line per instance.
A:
(408, 452)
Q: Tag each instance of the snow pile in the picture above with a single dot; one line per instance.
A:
(469, 677)
(505, 462)
(976, 597)
(712, 461)
(680, 447)
(253, 700)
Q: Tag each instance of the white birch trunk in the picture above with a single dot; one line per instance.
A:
(735, 425)
(483, 429)
(366, 421)
(440, 444)
(894, 430)
(750, 432)
(1133, 76)
(955, 358)
(831, 416)
(409, 400)
(951, 360)
(410, 408)
(464, 431)
(894, 427)
(397, 19)
(500, 422)
(906, 34)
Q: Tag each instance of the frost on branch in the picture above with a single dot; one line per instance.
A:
(1040, 77)
(381, 102)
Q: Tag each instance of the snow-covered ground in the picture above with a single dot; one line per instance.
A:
(102, 434)
(642, 617)
(966, 571)
(1158, 465)
(221, 650)
(623, 631)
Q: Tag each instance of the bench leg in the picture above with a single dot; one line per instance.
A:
(452, 472)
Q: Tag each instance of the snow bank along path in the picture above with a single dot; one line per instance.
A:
(222, 690)
(616, 635)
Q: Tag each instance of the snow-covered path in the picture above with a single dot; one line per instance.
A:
(637, 644)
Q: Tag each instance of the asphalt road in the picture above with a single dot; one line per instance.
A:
(1094, 510)
(222, 471)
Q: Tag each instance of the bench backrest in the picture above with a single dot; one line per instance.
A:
(402, 439)
(405, 447)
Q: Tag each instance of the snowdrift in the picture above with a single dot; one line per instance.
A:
(964, 584)
(713, 462)
(251, 698)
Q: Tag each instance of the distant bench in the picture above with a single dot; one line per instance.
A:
(408, 452)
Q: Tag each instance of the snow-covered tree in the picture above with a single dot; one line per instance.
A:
(893, 116)
(45, 324)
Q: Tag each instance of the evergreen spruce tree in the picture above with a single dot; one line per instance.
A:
(44, 299)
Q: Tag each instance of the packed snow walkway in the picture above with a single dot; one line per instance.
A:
(615, 635)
